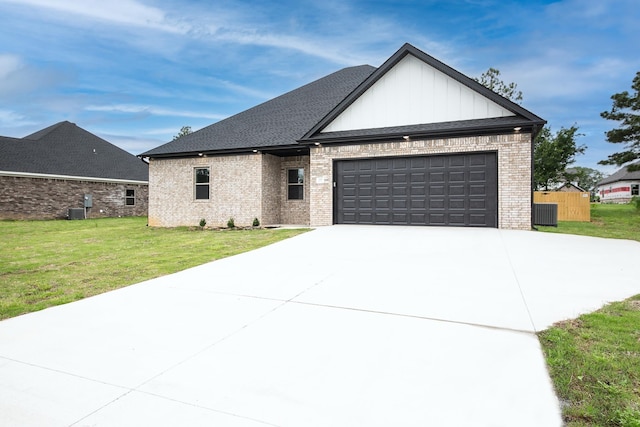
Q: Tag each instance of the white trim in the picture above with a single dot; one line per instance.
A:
(70, 177)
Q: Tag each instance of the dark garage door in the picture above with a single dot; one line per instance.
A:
(451, 190)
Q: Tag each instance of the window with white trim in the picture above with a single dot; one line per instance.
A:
(202, 183)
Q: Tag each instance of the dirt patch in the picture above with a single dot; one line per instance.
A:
(634, 305)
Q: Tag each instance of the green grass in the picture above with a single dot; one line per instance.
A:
(47, 263)
(594, 361)
(610, 220)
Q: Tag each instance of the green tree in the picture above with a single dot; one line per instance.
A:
(585, 178)
(184, 130)
(625, 110)
(552, 154)
(491, 79)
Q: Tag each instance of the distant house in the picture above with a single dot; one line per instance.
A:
(620, 187)
(569, 187)
(64, 167)
(413, 142)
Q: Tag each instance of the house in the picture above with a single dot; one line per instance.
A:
(413, 142)
(620, 187)
(569, 187)
(63, 167)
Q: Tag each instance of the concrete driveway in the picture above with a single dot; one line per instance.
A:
(341, 326)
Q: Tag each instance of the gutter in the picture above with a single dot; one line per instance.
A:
(71, 177)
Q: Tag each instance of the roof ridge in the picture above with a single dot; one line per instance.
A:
(43, 132)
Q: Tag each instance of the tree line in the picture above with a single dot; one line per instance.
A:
(554, 152)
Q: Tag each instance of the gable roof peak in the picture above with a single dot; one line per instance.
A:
(43, 132)
(526, 117)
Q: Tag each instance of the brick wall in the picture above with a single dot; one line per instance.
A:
(514, 171)
(294, 211)
(235, 191)
(271, 190)
(48, 198)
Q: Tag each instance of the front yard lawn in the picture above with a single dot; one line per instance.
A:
(594, 360)
(47, 263)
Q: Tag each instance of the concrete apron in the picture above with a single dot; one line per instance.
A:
(341, 326)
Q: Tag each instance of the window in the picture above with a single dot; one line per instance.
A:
(635, 189)
(202, 183)
(295, 184)
(130, 197)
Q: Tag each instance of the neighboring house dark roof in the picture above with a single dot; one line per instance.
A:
(281, 121)
(622, 175)
(68, 150)
(297, 118)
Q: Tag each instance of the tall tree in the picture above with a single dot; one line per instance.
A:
(491, 79)
(184, 130)
(552, 154)
(625, 109)
(586, 178)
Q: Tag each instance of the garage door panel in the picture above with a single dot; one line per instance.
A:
(477, 189)
(436, 190)
(363, 179)
(457, 161)
(436, 204)
(457, 204)
(456, 219)
(436, 177)
(477, 204)
(436, 162)
(456, 190)
(364, 191)
(436, 219)
(477, 176)
(458, 176)
(442, 190)
(477, 160)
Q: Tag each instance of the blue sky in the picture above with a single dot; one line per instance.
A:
(135, 71)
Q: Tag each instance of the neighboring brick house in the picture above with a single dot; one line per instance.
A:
(63, 166)
(413, 142)
(620, 187)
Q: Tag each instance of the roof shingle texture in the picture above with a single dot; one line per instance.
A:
(66, 149)
(622, 175)
(279, 122)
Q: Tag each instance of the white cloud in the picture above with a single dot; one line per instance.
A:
(153, 110)
(8, 65)
(12, 119)
(121, 12)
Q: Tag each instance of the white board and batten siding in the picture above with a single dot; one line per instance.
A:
(413, 93)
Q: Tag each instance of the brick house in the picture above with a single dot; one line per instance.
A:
(64, 167)
(413, 142)
(620, 187)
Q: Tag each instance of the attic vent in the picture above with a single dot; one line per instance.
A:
(545, 214)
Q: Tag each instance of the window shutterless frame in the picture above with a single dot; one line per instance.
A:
(201, 179)
(130, 197)
(295, 184)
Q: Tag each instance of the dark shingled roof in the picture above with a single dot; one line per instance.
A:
(281, 121)
(66, 149)
(622, 175)
(296, 119)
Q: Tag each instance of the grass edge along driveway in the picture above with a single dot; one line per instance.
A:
(48, 263)
(594, 360)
